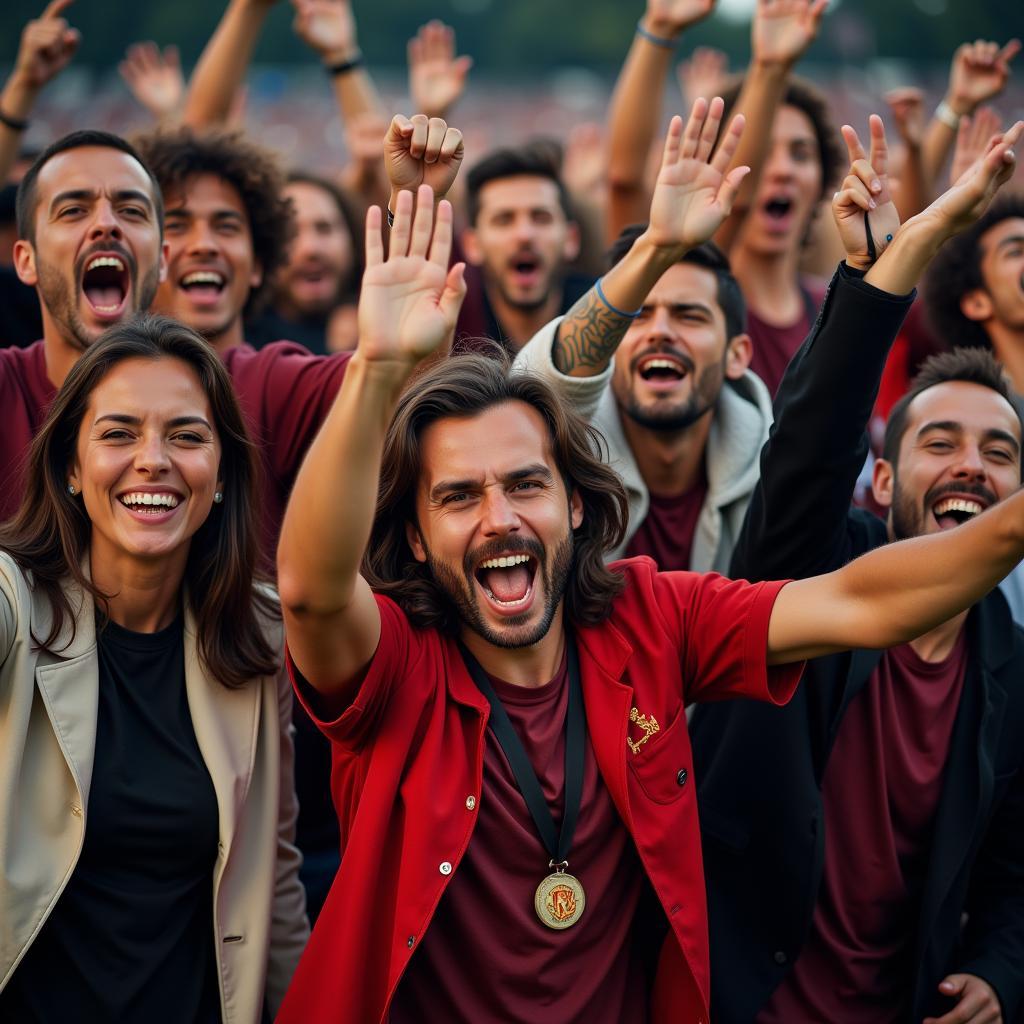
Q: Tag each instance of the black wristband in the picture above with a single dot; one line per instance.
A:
(345, 66)
(14, 123)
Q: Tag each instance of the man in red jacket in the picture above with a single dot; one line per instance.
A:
(546, 868)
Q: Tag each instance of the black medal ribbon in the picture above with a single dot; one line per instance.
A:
(526, 778)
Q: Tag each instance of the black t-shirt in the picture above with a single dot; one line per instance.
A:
(131, 937)
(269, 326)
(21, 321)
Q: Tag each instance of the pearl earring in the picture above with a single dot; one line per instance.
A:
(217, 497)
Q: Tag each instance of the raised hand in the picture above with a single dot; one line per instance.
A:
(47, 45)
(702, 74)
(972, 140)
(863, 201)
(979, 72)
(693, 195)
(422, 151)
(437, 77)
(907, 107)
(969, 197)
(327, 27)
(154, 78)
(409, 302)
(782, 30)
(667, 18)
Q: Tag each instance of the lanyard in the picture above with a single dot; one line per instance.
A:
(526, 778)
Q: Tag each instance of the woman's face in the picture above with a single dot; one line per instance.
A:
(147, 462)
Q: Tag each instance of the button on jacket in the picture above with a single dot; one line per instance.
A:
(410, 748)
(48, 713)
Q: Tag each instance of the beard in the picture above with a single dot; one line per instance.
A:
(552, 284)
(908, 518)
(668, 419)
(58, 296)
(460, 590)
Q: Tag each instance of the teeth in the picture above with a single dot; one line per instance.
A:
(505, 562)
(105, 261)
(145, 498)
(660, 364)
(203, 277)
(958, 505)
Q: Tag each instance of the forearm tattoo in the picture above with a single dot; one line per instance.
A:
(589, 334)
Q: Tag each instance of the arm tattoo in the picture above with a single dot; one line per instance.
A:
(589, 334)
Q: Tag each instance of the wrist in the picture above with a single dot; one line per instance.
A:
(961, 106)
(340, 54)
(18, 97)
(858, 263)
(771, 67)
(660, 33)
(381, 376)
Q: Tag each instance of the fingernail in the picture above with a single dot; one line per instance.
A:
(876, 185)
(872, 203)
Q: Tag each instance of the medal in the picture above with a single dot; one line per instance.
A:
(559, 900)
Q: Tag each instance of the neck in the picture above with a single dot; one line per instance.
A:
(669, 463)
(937, 644)
(770, 283)
(1008, 346)
(60, 354)
(232, 336)
(520, 325)
(143, 596)
(531, 666)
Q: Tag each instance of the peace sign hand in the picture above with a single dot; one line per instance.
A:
(864, 202)
(409, 302)
(693, 195)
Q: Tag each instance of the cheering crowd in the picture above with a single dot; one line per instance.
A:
(584, 585)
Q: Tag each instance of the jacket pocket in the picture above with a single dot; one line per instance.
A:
(664, 765)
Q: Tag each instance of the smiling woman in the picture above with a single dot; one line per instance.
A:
(129, 599)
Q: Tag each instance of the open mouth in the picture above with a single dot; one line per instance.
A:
(508, 580)
(105, 284)
(203, 286)
(950, 512)
(525, 268)
(148, 503)
(778, 207)
(661, 369)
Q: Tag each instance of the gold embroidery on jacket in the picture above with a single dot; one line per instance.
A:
(648, 725)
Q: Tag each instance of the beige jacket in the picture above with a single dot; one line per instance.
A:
(48, 710)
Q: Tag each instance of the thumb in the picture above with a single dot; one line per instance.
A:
(454, 292)
(730, 187)
(953, 984)
(461, 66)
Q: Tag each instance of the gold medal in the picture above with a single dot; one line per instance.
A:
(560, 899)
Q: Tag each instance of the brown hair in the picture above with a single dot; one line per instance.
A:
(254, 172)
(49, 535)
(464, 386)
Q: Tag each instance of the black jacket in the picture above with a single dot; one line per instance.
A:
(759, 768)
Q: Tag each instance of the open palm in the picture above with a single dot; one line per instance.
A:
(693, 195)
(326, 26)
(409, 302)
(783, 29)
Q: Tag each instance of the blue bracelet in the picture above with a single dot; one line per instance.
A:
(668, 44)
(619, 312)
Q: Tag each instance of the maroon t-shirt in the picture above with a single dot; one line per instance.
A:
(881, 789)
(284, 391)
(666, 534)
(25, 395)
(486, 956)
(775, 346)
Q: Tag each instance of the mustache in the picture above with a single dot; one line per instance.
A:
(976, 490)
(107, 247)
(499, 547)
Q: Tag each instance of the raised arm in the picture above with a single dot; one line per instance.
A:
(635, 109)
(328, 27)
(979, 72)
(47, 45)
(781, 32)
(913, 191)
(692, 196)
(437, 77)
(419, 151)
(223, 63)
(407, 308)
(155, 79)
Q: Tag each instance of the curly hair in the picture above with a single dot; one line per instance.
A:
(177, 155)
(956, 270)
(809, 100)
(465, 386)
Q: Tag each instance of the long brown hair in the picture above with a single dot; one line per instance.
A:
(50, 533)
(465, 386)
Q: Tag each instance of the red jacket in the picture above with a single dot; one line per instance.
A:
(409, 755)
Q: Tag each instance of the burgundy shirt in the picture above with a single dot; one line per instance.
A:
(486, 955)
(666, 534)
(881, 789)
(284, 391)
(775, 346)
